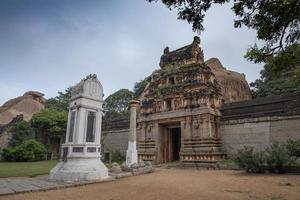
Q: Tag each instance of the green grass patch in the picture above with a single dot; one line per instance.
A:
(14, 169)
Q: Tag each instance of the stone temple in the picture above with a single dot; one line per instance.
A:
(179, 108)
(196, 112)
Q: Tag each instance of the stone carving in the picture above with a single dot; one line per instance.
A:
(88, 87)
(190, 54)
(81, 153)
(178, 108)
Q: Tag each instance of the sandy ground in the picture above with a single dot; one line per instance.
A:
(181, 184)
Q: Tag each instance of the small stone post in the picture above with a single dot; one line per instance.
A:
(131, 155)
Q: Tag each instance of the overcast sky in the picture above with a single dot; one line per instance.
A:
(49, 45)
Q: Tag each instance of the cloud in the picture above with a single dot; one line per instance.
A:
(50, 45)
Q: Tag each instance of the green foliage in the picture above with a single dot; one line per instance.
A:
(293, 148)
(281, 74)
(50, 122)
(278, 158)
(116, 105)
(191, 11)
(118, 156)
(20, 131)
(251, 160)
(139, 87)
(60, 102)
(276, 22)
(29, 150)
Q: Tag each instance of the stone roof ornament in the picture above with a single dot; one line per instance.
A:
(89, 87)
(166, 50)
(190, 54)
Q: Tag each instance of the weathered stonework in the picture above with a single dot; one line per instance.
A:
(259, 122)
(179, 110)
(81, 152)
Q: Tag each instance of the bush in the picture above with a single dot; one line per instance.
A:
(20, 131)
(293, 148)
(118, 156)
(251, 160)
(30, 150)
(278, 158)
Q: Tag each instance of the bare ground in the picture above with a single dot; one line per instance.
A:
(181, 184)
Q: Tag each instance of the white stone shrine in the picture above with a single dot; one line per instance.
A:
(81, 153)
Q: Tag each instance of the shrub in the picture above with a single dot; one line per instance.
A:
(20, 131)
(293, 148)
(118, 156)
(251, 160)
(8, 154)
(278, 158)
(30, 150)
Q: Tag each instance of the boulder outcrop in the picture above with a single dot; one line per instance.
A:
(234, 86)
(26, 105)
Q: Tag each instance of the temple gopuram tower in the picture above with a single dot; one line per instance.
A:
(179, 111)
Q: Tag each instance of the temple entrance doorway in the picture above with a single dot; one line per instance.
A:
(170, 143)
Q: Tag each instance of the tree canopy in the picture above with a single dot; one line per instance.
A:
(116, 105)
(280, 75)
(276, 22)
(61, 101)
(50, 122)
(139, 87)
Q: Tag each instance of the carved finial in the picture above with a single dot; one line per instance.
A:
(166, 50)
(196, 40)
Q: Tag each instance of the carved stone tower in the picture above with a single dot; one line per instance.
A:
(179, 110)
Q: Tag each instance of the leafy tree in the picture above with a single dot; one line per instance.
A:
(116, 104)
(139, 87)
(61, 101)
(49, 124)
(276, 22)
(20, 131)
(281, 74)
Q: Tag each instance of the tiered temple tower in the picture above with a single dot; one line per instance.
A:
(179, 111)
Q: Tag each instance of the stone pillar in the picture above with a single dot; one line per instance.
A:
(131, 154)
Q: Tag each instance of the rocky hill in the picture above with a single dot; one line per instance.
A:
(26, 105)
(234, 86)
(14, 110)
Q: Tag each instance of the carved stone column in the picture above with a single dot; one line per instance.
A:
(131, 155)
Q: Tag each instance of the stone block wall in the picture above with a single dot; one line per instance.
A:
(260, 122)
(115, 140)
(258, 132)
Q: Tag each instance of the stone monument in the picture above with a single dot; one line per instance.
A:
(81, 153)
(131, 154)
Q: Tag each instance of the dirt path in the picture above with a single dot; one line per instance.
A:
(181, 184)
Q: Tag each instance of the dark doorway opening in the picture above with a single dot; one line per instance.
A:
(176, 143)
(170, 144)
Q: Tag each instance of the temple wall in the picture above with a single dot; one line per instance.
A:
(259, 122)
(115, 136)
(258, 132)
(116, 140)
